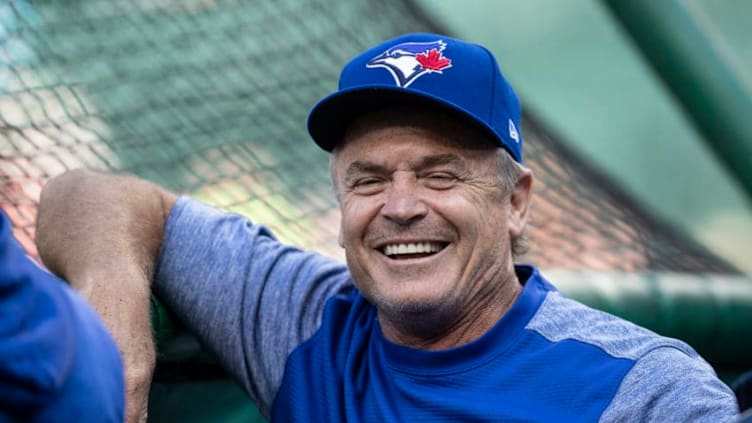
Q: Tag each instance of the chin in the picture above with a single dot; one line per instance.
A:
(409, 306)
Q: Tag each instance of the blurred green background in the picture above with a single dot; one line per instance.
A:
(572, 64)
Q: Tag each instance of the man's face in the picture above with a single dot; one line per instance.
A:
(425, 224)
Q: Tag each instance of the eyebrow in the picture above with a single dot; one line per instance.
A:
(362, 166)
(440, 160)
(427, 162)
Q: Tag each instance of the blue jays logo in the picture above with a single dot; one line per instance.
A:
(409, 61)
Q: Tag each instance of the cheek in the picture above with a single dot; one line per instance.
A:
(357, 213)
(464, 208)
(477, 217)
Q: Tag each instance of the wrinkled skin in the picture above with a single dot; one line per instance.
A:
(410, 178)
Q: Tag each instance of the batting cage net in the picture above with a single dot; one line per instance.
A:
(210, 98)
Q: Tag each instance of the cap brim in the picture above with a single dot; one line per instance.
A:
(330, 118)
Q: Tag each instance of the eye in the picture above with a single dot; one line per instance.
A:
(439, 180)
(367, 185)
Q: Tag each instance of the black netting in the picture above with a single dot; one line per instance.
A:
(210, 98)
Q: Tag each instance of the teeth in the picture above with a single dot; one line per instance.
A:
(412, 248)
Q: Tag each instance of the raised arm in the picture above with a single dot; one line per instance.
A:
(102, 233)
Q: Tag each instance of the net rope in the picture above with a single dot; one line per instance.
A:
(210, 98)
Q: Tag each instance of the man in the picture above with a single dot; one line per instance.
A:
(430, 320)
(57, 362)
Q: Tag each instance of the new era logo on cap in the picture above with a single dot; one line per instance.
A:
(513, 132)
(409, 61)
(424, 71)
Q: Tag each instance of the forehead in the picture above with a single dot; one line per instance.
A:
(378, 132)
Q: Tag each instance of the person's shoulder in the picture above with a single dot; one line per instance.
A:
(666, 381)
(560, 318)
(667, 384)
(57, 360)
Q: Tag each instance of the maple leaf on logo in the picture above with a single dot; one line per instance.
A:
(433, 60)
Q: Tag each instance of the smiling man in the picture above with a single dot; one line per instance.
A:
(430, 319)
(416, 211)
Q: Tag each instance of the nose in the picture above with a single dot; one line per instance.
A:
(403, 204)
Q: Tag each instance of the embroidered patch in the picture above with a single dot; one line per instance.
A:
(409, 61)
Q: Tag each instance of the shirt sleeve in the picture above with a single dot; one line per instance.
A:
(57, 361)
(670, 385)
(248, 298)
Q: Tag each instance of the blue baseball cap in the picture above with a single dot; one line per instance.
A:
(422, 70)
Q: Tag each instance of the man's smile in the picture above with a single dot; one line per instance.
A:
(408, 250)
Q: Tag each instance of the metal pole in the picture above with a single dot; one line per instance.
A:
(703, 80)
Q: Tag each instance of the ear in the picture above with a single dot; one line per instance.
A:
(519, 203)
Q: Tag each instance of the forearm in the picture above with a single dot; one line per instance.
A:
(102, 233)
(120, 294)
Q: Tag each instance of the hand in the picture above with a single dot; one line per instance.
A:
(125, 311)
(137, 384)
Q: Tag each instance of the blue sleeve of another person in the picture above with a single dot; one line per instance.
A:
(57, 361)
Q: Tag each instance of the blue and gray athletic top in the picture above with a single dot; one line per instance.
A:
(299, 337)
